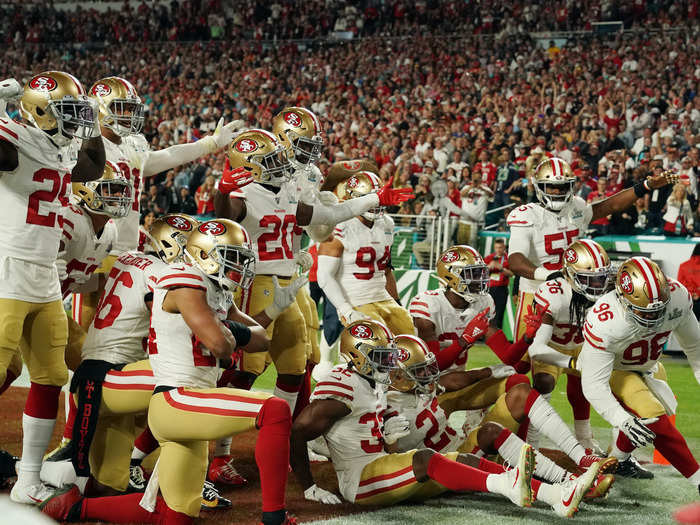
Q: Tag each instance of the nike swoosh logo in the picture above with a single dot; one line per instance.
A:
(571, 497)
(517, 476)
(35, 499)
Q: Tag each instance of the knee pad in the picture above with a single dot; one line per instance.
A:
(274, 411)
(516, 379)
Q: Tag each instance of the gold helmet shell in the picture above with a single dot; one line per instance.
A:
(169, 234)
(56, 103)
(586, 266)
(417, 367)
(262, 155)
(341, 170)
(109, 195)
(360, 184)
(554, 173)
(121, 109)
(221, 249)
(299, 131)
(368, 346)
(462, 269)
(643, 291)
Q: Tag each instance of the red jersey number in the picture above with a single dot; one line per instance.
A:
(375, 444)
(366, 258)
(105, 316)
(427, 416)
(130, 174)
(282, 234)
(639, 352)
(58, 190)
(562, 239)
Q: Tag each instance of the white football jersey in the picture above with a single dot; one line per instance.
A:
(366, 255)
(608, 329)
(83, 251)
(130, 157)
(557, 296)
(542, 235)
(32, 198)
(308, 180)
(271, 222)
(428, 422)
(449, 321)
(356, 439)
(119, 331)
(177, 360)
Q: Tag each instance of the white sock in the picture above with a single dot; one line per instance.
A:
(549, 494)
(289, 397)
(138, 454)
(616, 452)
(222, 447)
(546, 420)
(533, 435)
(36, 436)
(695, 478)
(495, 483)
(545, 468)
(582, 429)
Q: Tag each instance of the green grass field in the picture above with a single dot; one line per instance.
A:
(630, 501)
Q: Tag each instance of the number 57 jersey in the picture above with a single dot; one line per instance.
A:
(119, 331)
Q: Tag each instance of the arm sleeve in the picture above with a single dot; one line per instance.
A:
(327, 269)
(168, 158)
(519, 240)
(337, 213)
(688, 335)
(540, 350)
(596, 367)
(453, 208)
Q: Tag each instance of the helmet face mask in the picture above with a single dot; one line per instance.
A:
(276, 168)
(550, 174)
(299, 131)
(236, 266)
(462, 270)
(586, 266)
(368, 346)
(109, 195)
(358, 185)
(121, 109)
(417, 369)
(554, 201)
(381, 360)
(169, 235)
(592, 285)
(262, 155)
(305, 150)
(648, 318)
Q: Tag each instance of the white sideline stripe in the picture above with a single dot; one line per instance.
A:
(385, 483)
(214, 403)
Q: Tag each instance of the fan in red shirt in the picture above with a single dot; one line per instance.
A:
(486, 168)
(498, 278)
(689, 276)
(602, 192)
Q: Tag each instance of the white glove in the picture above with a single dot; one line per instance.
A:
(222, 136)
(395, 428)
(501, 371)
(305, 261)
(636, 430)
(320, 232)
(316, 493)
(10, 90)
(60, 265)
(327, 198)
(95, 106)
(283, 297)
(350, 315)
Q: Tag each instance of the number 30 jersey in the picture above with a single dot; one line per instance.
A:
(542, 235)
(356, 439)
(119, 331)
(271, 222)
(366, 255)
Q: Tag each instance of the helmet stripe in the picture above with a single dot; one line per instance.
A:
(649, 277)
(553, 163)
(418, 340)
(77, 83)
(592, 249)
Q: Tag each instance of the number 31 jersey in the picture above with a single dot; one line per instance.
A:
(366, 255)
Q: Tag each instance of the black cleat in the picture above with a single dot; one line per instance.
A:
(64, 451)
(630, 468)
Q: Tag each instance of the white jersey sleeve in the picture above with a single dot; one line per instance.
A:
(356, 439)
(119, 331)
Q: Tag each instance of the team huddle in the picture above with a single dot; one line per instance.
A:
(173, 336)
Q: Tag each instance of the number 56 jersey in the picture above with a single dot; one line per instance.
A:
(119, 332)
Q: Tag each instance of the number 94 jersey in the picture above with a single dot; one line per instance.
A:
(366, 255)
(608, 329)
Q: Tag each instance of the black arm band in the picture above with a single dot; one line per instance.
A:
(240, 331)
(640, 190)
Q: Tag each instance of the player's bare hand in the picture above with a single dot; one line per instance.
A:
(667, 177)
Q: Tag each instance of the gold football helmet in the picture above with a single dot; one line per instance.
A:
(462, 269)
(369, 347)
(169, 235)
(121, 109)
(643, 291)
(299, 131)
(587, 268)
(417, 367)
(221, 249)
(55, 102)
(357, 185)
(109, 195)
(260, 153)
(341, 170)
(554, 174)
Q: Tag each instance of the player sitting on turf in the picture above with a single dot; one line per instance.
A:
(413, 396)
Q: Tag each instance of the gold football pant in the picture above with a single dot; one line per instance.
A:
(481, 394)
(391, 314)
(310, 313)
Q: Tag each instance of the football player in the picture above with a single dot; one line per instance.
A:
(348, 406)
(586, 276)
(273, 215)
(624, 334)
(354, 267)
(195, 324)
(413, 395)
(37, 163)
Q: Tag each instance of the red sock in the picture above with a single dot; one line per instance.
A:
(455, 476)
(42, 401)
(305, 392)
(70, 420)
(272, 452)
(126, 509)
(672, 445)
(9, 378)
(523, 428)
(146, 443)
(535, 484)
(624, 443)
(491, 466)
(579, 404)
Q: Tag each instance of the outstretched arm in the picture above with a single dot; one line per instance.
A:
(91, 160)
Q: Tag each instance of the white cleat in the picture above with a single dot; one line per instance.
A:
(573, 490)
(517, 480)
(30, 494)
(58, 473)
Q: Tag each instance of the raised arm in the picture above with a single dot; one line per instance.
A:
(91, 160)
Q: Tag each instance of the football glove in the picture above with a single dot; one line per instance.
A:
(10, 90)
(501, 371)
(477, 327)
(305, 261)
(351, 315)
(222, 136)
(533, 321)
(395, 428)
(283, 297)
(316, 493)
(233, 180)
(389, 196)
(636, 430)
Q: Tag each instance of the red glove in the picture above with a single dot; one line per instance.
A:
(533, 320)
(477, 327)
(388, 196)
(233, 180)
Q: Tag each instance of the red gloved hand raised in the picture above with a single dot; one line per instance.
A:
(233, 180)
(389, 196)
(477, 327)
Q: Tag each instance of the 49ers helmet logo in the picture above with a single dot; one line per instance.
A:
(212, 227)
(179, 223)
(402, 354)
(570, 256)
(353, 182)
(626, 283)
(449, 257)
(247, 146)
(293, 119)
(361, 331)
(43, 83)
(101, 90)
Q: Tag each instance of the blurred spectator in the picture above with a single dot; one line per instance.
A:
(678, 219)
(186, 203)
(168, 194)
(689, 276)
(151, 201)
(475, 200)
(424, 248)
(600, 225)
(642, 223)
(499, 277)
(204, 197)
(145, 223)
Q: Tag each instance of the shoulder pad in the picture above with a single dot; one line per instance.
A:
(420, 306)
(522, 215)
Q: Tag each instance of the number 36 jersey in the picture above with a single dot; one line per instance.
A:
(556, 296)
(542, 235)
(119, 331)
(366, 255)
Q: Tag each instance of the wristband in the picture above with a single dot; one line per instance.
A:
(240, 331)
(641, 189)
